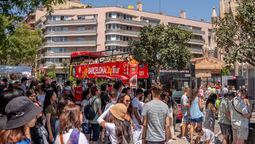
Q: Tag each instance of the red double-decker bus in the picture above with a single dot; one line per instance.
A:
(107, 64)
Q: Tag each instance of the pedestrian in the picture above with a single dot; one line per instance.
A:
(126, 100)
(211, 111)
(239, 119)
(31, 94)
(78, 92)
(95, 101)
(104, 95)
(22, 115)
(85, 123)
(196, 111)
(117, 86)
(69, 122)
(206, 135)
(126, 91)
(185, 111)
(147, 96)
(225, 89)
(41, 96)
(24, 84)
(68, 94)
(119, 133)
(50, 111)
(173, 109)
(156, 118)
(138, 108)
(224, 118)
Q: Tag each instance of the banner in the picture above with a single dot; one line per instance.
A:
(107, 70)
(143, 71)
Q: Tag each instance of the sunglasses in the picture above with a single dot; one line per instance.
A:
(127, 101)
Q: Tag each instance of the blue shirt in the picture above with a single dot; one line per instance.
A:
(26, 141)
(184, 101)
(195, 111)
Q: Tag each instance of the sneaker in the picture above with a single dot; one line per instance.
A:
(184, 138)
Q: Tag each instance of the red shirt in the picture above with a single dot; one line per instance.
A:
(78, 94)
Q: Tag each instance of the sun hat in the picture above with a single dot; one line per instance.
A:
(119, 111)
(20, 111)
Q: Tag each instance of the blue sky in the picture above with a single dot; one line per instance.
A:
(195, 9)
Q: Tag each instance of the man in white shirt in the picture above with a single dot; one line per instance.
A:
(206, 135)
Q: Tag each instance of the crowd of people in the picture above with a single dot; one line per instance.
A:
(43, 112)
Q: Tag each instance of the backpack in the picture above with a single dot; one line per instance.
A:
(89, 112)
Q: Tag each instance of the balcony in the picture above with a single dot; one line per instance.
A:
(50, 63)
(69, 43)
(196, 51)
(127, 22)
(123, 32)
(194, 31)
(196, 41)
(70, 33)
(116, 43)
(71, 22)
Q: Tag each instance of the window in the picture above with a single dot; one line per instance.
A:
(81, 17)
(54, 60)
(80, 28)
(80, 49)
(95, 27)
(94, 38)
(80, 38)
(57, 39)
(57, 50)
(196, 28)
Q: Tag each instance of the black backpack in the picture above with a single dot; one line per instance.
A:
(89, 112)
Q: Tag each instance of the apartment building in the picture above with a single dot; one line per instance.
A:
(69, 30)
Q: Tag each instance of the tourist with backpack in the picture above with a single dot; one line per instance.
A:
(69, 122)
(93, 111)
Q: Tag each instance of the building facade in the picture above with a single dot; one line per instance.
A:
(69, 30)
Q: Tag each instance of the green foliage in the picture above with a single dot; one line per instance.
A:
(52, 75)
(39, 76)
(65, 65)
(100, 81)
(20, 47)
(89, 6)
(71, 79)
(225, 71)
(162, 46)
(52, 67)
(236, 34)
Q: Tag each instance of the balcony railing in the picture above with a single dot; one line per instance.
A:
(199, 32)
(71, 22)
(196, 50)
(132, 22)
(57, 54)
(196, 41)
(69, 43)
(120, 43)
(135, 33)
(50, 63)
(71, 32)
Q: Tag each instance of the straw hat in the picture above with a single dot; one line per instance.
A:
(119, 111)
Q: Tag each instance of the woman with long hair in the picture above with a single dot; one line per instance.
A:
(22, 115)
(147, 96)
(119, 133)
(50, 110)
(196, 111)
(69, 122)
(126, 100)
(31, 94)
(210, 112)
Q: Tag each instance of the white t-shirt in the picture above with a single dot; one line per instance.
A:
(82, 138)
(110, 127)
(208, 135)
(138, 105)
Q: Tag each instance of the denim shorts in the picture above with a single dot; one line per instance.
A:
(197, 120)
(185, 119)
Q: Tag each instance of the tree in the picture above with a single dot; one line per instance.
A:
(65, 69)
(225, 71)
(12, 12)
(236, 34)
(52, 75)
(89, 6)
(20, 47)
(52, 68)
(162, 46)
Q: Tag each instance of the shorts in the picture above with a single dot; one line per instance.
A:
(95, 128)
(225, 129)
(240, 132)
(197, 120)
(85, 128)
(185, 119)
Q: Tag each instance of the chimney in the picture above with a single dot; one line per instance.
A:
(183, 14)
(139, 6)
